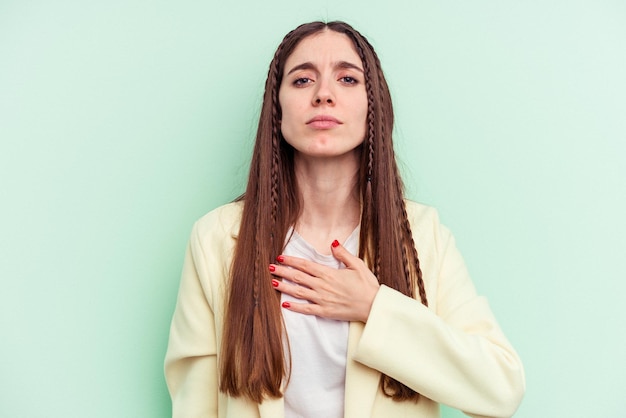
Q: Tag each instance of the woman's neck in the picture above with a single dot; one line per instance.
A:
(331, 206)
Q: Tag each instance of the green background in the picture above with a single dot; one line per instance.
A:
(121, 122)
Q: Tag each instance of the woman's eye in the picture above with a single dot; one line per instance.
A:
(302, 81)
(349, 80)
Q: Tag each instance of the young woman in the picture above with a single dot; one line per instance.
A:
(322, 292)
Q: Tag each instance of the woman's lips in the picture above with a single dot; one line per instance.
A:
(323, 122)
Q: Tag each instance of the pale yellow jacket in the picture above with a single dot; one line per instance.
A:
(452, 352)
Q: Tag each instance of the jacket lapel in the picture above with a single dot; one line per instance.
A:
(361, 381)
(272, 408)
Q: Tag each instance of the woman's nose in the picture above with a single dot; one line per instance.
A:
(319, 100)
(324, 94)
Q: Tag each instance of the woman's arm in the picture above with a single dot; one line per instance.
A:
(453, 353)
(190, 362)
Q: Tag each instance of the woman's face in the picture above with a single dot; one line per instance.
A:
(322, 96)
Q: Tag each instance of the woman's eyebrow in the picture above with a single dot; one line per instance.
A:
(340, 64)
(304, 66)
(348, 65)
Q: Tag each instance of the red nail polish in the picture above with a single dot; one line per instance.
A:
(272, 268)
(275, 283)
(335, 244)
(280, 258)
(286, 305)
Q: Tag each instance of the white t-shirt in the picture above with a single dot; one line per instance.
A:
(318, 347)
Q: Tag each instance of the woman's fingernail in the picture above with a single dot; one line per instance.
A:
(335, 244)
(280, 258)
(275, 283)
(272, 268)
(286, 305)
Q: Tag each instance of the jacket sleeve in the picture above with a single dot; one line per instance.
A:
(454, 353)
(190, 362)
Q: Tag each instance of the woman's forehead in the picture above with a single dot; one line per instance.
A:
(326, 45)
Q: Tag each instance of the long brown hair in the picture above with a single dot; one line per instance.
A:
(252, 355)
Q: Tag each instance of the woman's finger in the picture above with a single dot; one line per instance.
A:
(292, 274)
(348, 259)
(297, 291)
(310, 267)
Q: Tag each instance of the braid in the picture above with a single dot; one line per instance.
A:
(370, 134)
(275, 165)
(409, 247)
(405, 266)
(255, 291)
(371, 116)
(369, 244)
